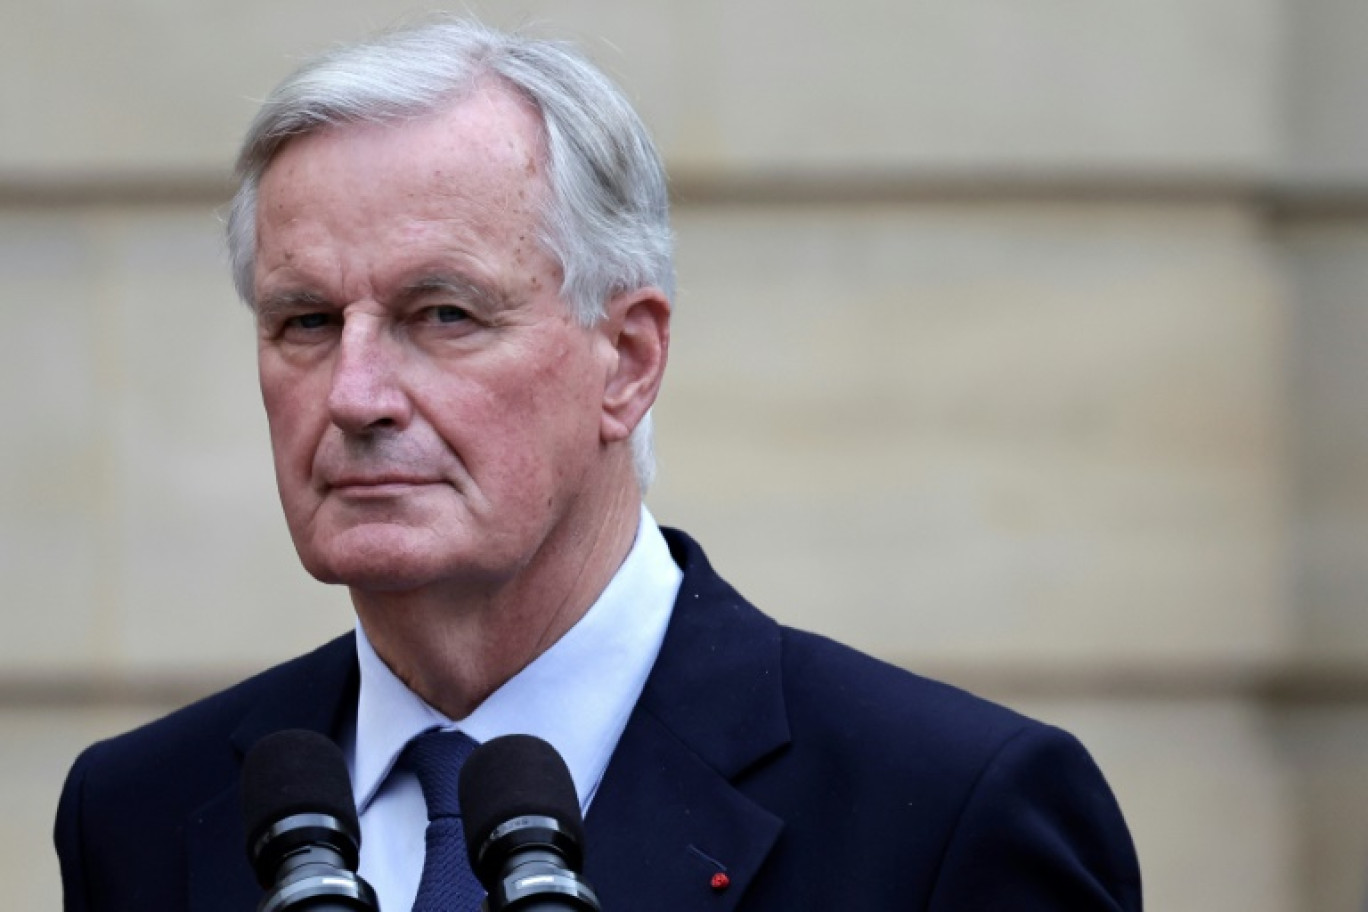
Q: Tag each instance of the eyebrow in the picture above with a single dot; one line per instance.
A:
(458, 287)
(282, 302)
(292, 301)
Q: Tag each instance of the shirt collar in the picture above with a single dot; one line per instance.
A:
(577, 695)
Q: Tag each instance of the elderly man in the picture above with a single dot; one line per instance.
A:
(456, 246)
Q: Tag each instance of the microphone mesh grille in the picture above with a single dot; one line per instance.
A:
(295, 772)
(515, 776)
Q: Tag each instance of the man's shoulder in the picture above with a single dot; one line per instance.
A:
(813, 709)
(307, 687)
(130, 803)
(982, 786)
(911, 787)
(834, 697)
(827, 677)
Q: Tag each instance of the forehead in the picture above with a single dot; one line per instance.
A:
(486, 148)
(354, 210)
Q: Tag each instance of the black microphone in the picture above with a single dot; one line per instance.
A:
(303, 837)
(523, 827)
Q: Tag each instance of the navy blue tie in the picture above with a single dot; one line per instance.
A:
(447, 884)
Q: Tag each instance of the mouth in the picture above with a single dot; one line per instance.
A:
(379, 485)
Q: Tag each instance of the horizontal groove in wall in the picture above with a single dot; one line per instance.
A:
(817, 187)
(87, 189)
(1279, 685)
(875, 187)
(1287, 684)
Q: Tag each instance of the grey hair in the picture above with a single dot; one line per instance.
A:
(606, 216)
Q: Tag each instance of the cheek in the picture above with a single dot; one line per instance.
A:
(293, 435)
(559, 401)
(519, 430)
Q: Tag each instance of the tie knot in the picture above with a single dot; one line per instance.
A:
(436, 758)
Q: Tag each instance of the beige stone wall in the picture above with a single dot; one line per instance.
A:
(1020, 343)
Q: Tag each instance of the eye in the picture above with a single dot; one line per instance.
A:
(446, 314)
(308, 321)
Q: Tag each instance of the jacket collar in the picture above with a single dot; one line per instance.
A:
(313, 692)
(320, 695)
(668, 817)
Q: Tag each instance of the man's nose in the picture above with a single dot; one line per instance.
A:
(366, 394)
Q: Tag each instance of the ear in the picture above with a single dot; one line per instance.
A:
(637, 327)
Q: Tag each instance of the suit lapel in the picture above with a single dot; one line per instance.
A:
(314, 692)
(668, 816)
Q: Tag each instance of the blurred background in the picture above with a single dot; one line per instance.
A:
(1020, 342)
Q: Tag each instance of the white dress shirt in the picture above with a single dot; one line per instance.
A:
(577, 696)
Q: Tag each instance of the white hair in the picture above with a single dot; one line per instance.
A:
(606, 216)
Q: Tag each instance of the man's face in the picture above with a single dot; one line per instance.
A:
(435, 411)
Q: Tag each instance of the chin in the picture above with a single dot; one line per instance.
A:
(372, 572)
(389, 560)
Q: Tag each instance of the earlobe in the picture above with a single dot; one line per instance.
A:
(638, 328)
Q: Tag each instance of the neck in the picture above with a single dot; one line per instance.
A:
(455, 647)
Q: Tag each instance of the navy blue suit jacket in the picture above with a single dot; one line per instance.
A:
(813, 777)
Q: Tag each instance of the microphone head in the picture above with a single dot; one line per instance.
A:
(290, 773)
(517, 776)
